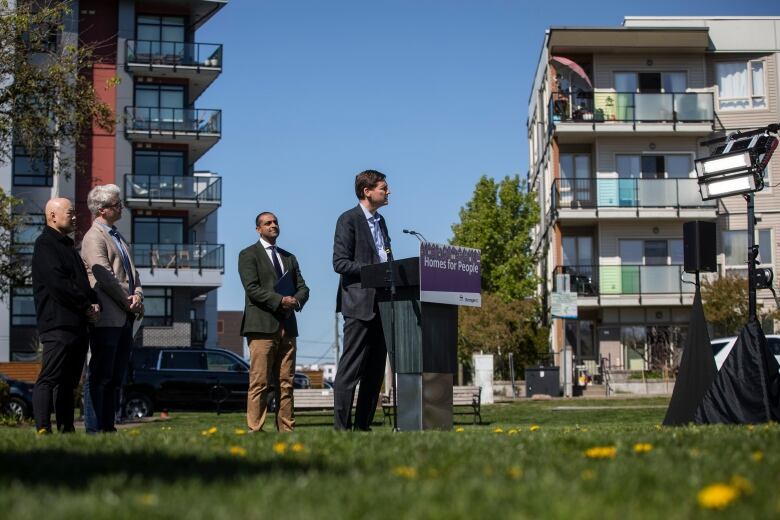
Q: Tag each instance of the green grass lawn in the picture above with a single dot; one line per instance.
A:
(528, 461)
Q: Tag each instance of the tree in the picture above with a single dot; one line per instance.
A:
(502, 327)
(498, 220)
(725, 301)
(46, 103)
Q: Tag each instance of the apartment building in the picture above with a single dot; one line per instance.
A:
(152, 70)
(616, 117)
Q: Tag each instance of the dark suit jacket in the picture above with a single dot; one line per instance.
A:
(261, 304)
(353, 247)
(61, 288)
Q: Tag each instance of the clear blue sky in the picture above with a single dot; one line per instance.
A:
(431, 92)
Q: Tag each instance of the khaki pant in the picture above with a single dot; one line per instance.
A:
(272, 357)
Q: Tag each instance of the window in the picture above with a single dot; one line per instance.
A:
(651, 82)
(741, 85)
(32, 171)
(160, 28)
(31, 226)
(221, 362)
(651, 252)
(158, 230)
(735, 247)
(159, 96)
(575, 177)
(183, 360)
(22, 306)
(647, 166)
(158, 306)
(158, 162)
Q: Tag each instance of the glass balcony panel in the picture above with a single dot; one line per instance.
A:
(182, 120)
(657, 192)
(174, 187)
(694, 107)
(178, 53)
(654, 107)
(661, 279)
(179, 256)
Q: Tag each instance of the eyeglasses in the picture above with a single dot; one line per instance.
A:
(118, 205)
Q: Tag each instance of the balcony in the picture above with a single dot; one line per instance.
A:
(599, 198)
(615, 113)
(598, 285)
(198, 127)
(201, 195)
(180, 265)
(199, 63)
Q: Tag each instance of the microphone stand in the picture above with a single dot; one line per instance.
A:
(391, 282)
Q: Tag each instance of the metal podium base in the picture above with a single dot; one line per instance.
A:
(424, 401)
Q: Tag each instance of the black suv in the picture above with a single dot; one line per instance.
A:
(187, 379)
(19, 403)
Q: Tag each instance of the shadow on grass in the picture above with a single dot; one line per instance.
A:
(62, 468)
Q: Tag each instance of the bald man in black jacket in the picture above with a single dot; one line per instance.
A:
(64, 306)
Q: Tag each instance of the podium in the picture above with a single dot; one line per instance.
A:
(426, 340)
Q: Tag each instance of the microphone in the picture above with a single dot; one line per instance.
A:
(417, 235)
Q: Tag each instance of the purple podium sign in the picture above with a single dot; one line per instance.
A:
(450, 275)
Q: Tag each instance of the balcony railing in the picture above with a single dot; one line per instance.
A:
(174, 188)
(628, 193)
(631, 107)
(179, 256)
(600, 280)
(148, 52)
(195, 121)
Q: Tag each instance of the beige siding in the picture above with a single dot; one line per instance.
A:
(605, 65)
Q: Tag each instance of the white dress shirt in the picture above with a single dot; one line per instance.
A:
(270, 252)
(376, 232)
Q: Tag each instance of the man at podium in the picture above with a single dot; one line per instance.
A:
(360, 239)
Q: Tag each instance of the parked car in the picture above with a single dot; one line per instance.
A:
(721, 348)
(20, 401)
(188, 379)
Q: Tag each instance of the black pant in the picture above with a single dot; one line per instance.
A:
(363, 361)
(64, 351)
(110, 354)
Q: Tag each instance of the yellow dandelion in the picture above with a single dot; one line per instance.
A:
(148, 499)
(513, 431)
(297, 447)
(587, 474)
(280, 448)
(750, 427)
(757, 456)
(239, 431)
(212, 430)
(407, 472)
(134, 431)
(498, 430)
(657, 426)
(717, 496)
(238, 451)
(534, 427)
(601, 452)
(460, 429)
(642, 447)
(583, 429)
(43, 431)
(514, 473)
(741, 484)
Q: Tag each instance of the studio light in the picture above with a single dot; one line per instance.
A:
(737, 165)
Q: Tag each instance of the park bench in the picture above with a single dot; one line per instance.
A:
(313, 399)
(466, 400)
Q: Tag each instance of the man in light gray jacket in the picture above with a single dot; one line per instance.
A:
(114, 278)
